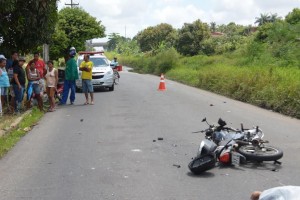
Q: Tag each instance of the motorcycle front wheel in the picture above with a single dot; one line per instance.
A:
(265, 153)
(202, 163)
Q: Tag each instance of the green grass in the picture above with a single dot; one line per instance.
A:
(10, 139)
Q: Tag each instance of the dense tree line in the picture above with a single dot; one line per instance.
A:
(26, 25)
(273, 32)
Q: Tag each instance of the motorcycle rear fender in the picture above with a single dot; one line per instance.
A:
(207, 147)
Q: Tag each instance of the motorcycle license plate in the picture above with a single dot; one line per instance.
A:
(235, 158)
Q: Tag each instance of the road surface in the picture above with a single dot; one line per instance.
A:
(111, 150)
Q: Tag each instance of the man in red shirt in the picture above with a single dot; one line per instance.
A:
(39, 64)
(41, 67)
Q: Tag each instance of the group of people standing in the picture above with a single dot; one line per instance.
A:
(41, 79)
(13, 79)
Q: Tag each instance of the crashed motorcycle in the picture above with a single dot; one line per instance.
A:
(230, 146)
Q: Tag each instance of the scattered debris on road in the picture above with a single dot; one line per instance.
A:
(81, 120)
(160, 138)
(211, 104)
(136, 150)
(178, 166)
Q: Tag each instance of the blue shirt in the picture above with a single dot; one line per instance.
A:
(4, 80)
(114, 64)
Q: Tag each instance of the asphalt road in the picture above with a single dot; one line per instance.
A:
(106, 150)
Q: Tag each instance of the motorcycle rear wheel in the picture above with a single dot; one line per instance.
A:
(265, 153)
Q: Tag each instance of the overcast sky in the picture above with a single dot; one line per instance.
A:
(136, 15)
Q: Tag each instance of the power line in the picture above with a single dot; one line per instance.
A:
(72, 4)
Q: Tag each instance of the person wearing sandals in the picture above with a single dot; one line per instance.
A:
(87, 87)
(33, 87)
(51, 82)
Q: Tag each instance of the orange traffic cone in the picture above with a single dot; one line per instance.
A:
(162, 84)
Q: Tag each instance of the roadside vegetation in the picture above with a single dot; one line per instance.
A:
(9, 140)
(258, 65)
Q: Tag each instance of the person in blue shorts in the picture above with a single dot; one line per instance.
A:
(87, 87)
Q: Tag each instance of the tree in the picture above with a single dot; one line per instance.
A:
(266, 18)
(114, 39)
(191, 36)
(25, 25)
(213, 27)
(151, 37)
(58, 43)
(77, 26)
(293, 17)
(127, 47)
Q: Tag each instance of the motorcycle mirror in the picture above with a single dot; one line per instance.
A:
(204, 119)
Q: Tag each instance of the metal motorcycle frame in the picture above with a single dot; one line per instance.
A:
(227, 145)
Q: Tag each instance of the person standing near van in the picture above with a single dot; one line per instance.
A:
(87, 87)
(71, 75)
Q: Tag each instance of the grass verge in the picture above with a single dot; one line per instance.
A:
(9, 140)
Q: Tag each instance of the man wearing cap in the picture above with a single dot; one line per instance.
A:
(71, 75)
(18, 83)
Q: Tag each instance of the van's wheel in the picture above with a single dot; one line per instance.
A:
(112, 88)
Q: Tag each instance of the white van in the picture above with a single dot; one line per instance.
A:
(103, 76)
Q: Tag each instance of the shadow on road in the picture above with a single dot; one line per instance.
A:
(202, 175)
(270, 166)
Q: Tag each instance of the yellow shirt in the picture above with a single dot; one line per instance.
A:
(85, 74)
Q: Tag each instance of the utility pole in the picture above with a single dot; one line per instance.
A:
(72, 4)
(125, 31)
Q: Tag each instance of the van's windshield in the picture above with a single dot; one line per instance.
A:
(98, 62)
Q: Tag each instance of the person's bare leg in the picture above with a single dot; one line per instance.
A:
(92, 97)
(40, 102)
(52, 103)
(86, 98)
(3, 102)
